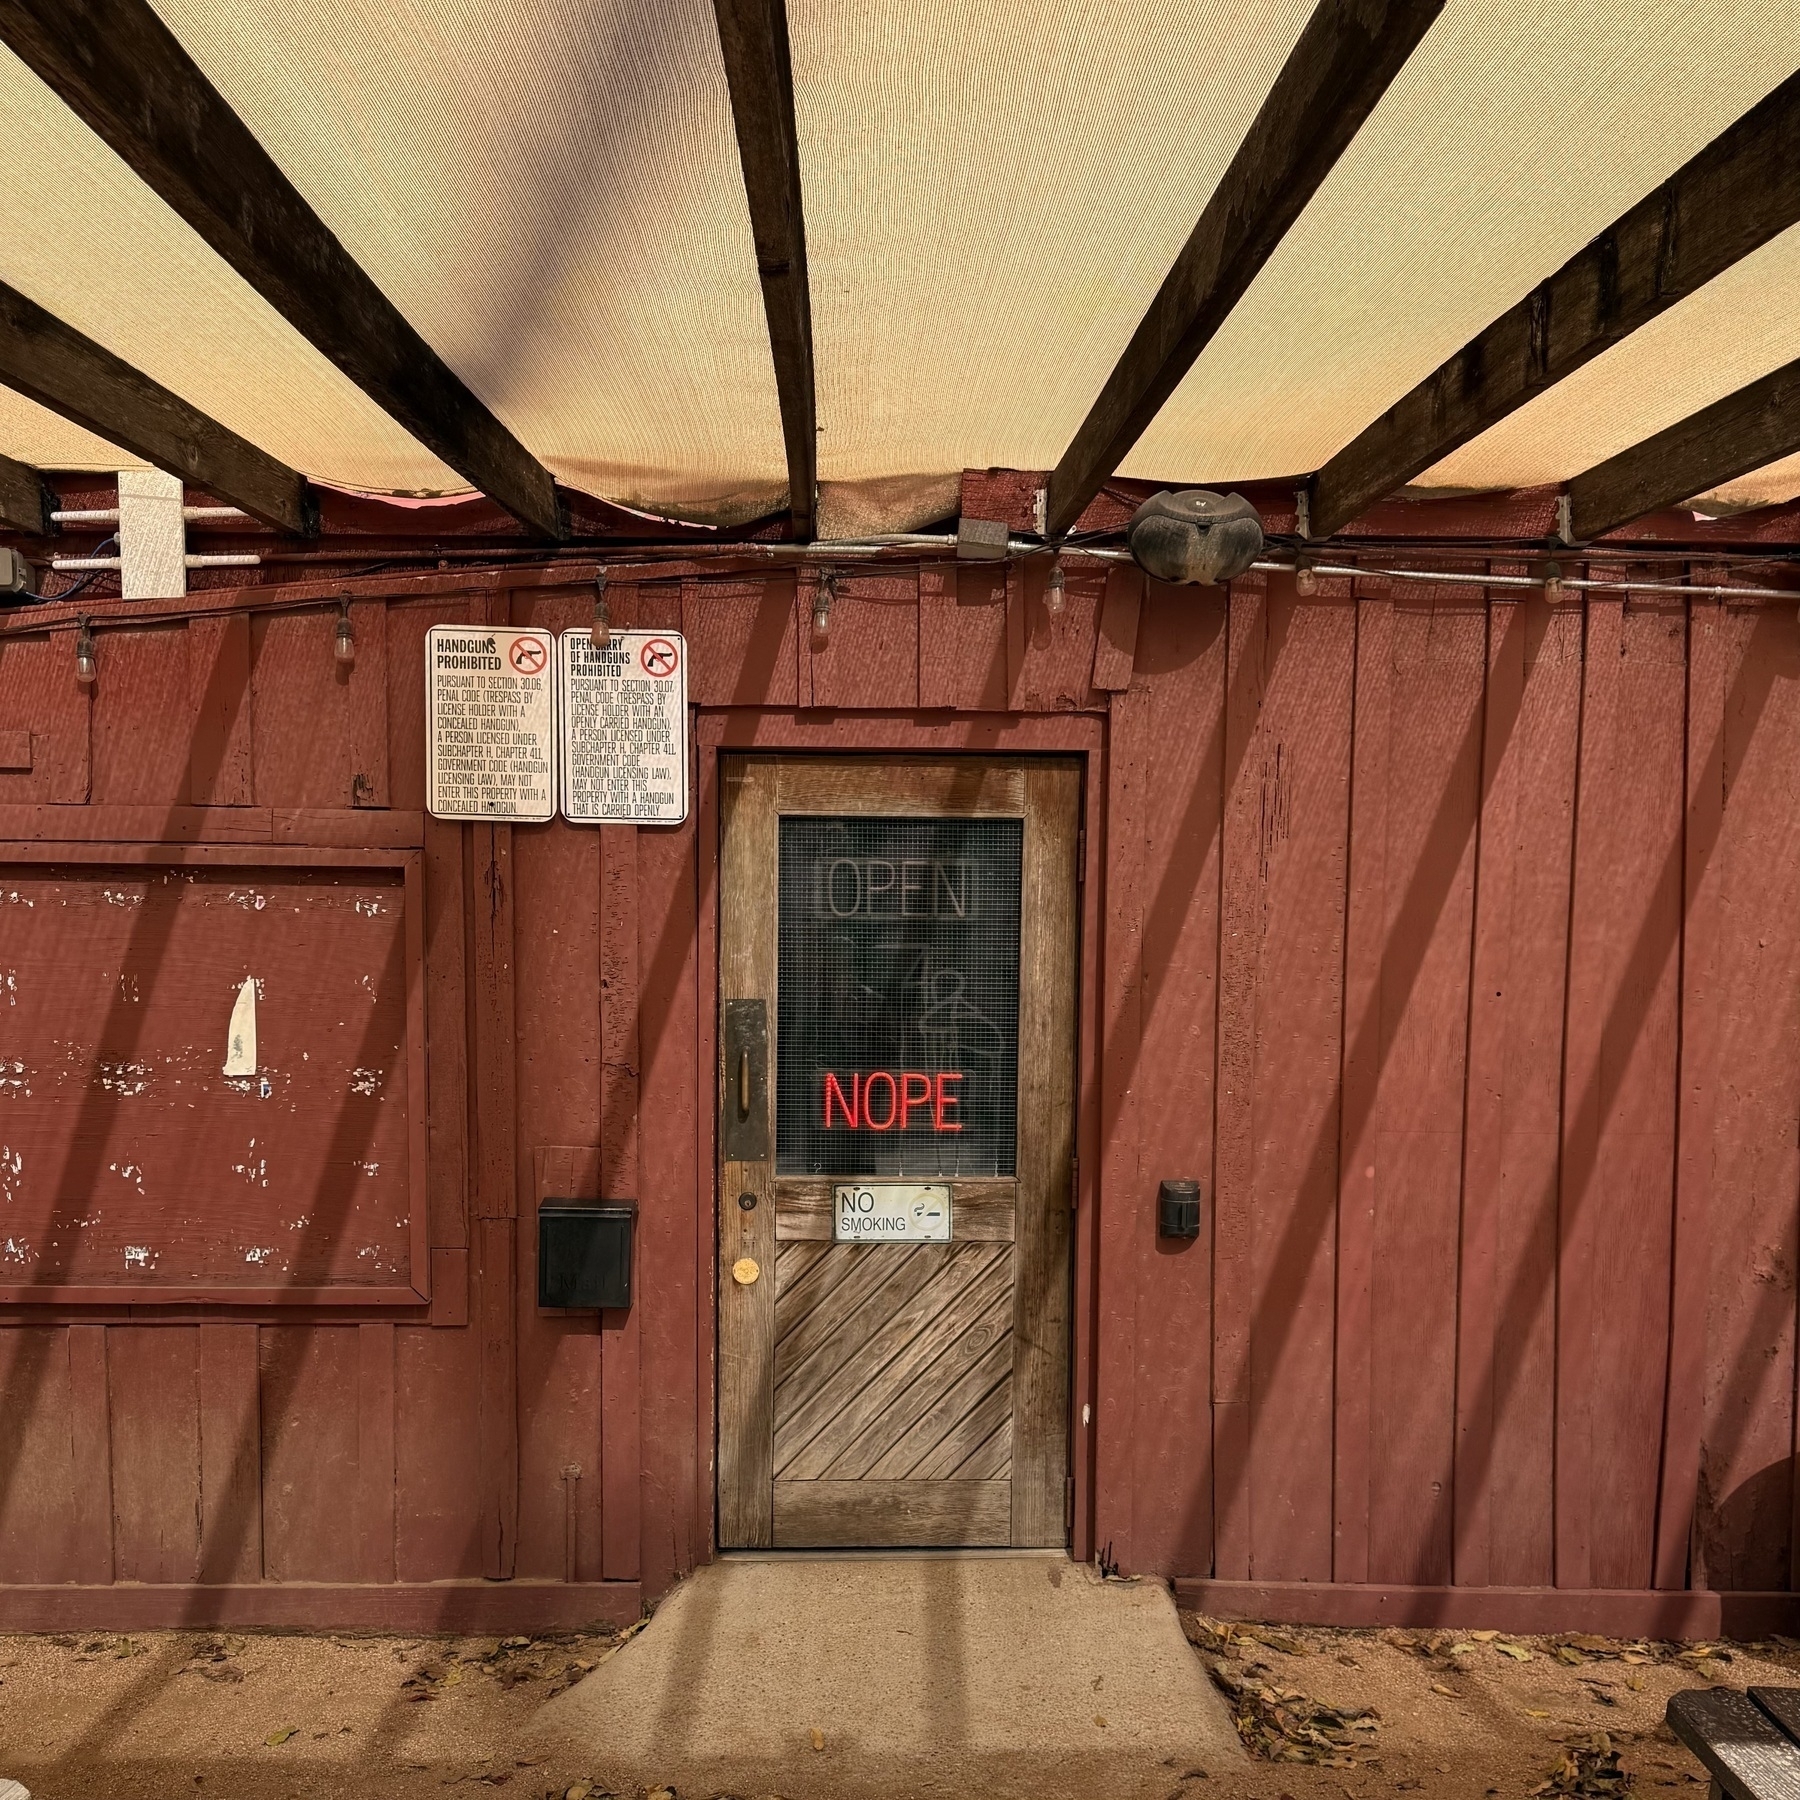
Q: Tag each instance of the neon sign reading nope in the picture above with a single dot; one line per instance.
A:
(899, 1096)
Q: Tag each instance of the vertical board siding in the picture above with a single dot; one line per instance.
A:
(751, 638)
(309, 1407)
(40, 696)
(557, 1023)
(230, 1455)
(1745, 1487)
(621, 1331)
(1412, 870)
(1122, 1174)
(1617, 1200)
(1287, 812)
(153, 1397)
(39, 1538)
(1506, 1366)
(1180, 651)
(1451, 941)
(91, 1458)
(962, 638)
(671, 1255)
(218, 710)
(140, 751)
(871, 654)
(438, 1506)
(317, 725)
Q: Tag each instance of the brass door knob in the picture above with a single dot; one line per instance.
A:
(745, 1270)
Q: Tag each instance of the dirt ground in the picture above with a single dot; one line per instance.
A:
(1331, 1715)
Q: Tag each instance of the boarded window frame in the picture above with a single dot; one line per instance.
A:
(36, 1299)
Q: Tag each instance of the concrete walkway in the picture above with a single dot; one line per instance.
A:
(975, 1676)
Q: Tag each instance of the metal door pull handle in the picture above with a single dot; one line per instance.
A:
(743, 1084)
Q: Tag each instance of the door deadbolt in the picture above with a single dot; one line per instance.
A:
(747, 1202)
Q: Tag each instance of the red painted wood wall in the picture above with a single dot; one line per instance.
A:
(1451, 940)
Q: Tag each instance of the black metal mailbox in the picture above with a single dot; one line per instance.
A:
(584, 1254)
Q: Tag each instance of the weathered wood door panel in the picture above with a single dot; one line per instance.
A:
(922, 917)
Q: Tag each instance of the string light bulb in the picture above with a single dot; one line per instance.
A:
(343, 640)
(1306, 583)
(1554, 591)
(87, 665)
(1054, 590)
(600, 632)
(823, 596)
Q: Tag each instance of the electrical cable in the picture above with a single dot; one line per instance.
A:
(77, 587)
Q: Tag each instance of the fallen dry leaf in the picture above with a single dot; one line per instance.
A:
(1437, 1687)
(1517, 1652)
(818, 1738)
(1589, 1770)
(1484, 1637)
(281, 1737)
(579, 1791)
(1100, 1721)
(1285, 1725)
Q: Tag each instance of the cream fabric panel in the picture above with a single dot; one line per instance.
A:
(83, 237)
(550, 191)
(1762, 487)
(994, 191)
(1734, 329)
(1516, 133)
(48, 441)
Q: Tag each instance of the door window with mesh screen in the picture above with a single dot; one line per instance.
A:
(897, 999)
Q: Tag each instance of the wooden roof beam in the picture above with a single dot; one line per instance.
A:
(754, 37)
(1346, 58)
(122, 71)
(1739, 192)
(1757, 425)
(53, 364)
(25, 501)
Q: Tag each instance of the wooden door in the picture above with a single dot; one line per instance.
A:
(897, 1005)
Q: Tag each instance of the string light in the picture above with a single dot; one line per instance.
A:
(1306, 583)
(600, 632)
(87, 666)
(1553, 584)
(821, 614)
(1054, 591)
(343, 642)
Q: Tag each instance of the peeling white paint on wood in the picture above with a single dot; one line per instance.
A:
(240, 1038)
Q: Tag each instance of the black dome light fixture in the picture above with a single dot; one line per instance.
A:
(1195, 537)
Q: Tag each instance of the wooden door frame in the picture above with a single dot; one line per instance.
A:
(1043, 796)
(723, 731)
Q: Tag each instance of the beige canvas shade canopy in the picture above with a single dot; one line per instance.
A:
(981, 205)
